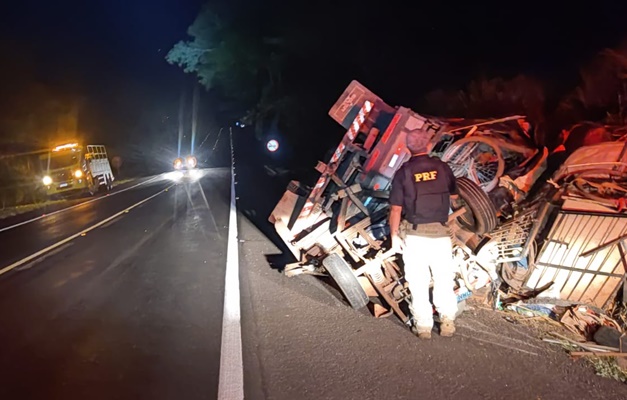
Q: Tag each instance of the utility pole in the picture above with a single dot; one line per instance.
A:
(194, 116)
(181, 109)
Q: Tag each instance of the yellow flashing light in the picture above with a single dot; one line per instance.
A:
(65, 146)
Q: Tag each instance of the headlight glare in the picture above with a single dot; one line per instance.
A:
(191, 161)
(47, 180)
(178, 163)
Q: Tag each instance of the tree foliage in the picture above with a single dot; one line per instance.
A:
(234, 59)
(495, 97)
(601, 95)
(270, 72)
(602, 92)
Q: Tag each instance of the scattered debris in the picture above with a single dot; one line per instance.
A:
(570, 344)
(577, 354)
(585, 322)
(554, 250)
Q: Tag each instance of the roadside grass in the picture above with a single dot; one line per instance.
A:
(17, 210)
(608, 367)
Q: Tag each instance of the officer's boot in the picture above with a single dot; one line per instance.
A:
(422, 333)
(447, 327)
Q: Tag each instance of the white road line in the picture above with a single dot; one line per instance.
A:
(6, 228)
(33, 263)
(231, 378)
(84, 231)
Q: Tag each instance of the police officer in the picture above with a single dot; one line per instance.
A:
(420, 200)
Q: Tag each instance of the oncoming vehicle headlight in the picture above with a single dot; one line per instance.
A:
(191, 162)
(78, 173)
(178, 163)
(47, 180)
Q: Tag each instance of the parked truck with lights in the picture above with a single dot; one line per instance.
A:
(73, 168)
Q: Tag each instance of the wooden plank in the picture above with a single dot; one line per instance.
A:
(341, 219)
(351, 195)
(373, 243)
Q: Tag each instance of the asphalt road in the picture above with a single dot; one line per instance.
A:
(133, 310)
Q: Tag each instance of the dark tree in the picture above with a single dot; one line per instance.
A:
(238, 61)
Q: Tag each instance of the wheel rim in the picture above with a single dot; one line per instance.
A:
(478, 159)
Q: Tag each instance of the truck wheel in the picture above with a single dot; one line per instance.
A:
(481, 218)
(94, 186)
(343, 275)
(109, 183)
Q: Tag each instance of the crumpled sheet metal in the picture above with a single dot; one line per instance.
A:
(602, 156)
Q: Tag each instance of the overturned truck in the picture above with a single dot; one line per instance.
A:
(339, 228)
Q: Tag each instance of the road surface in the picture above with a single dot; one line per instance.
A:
(133, 309)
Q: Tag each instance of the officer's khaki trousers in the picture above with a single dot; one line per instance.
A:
(425, 257)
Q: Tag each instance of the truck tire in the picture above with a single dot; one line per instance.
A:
(481, 218)
(343, 275)
(94, 187)
(607, 336)
(109, 183)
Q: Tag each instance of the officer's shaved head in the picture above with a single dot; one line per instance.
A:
(417, 142)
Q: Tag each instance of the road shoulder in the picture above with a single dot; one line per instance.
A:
(302, 341)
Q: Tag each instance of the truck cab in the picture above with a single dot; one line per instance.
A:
(70, 168)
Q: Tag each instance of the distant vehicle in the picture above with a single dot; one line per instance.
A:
(71, 168)
(190, 162)
(185, 168)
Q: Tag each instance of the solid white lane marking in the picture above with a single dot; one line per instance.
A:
(6, 228)
(231, 378)
(84, 231)
(31, 264)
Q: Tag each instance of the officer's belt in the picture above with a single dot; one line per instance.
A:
(433, 229)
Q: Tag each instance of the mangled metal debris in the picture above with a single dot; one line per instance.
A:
(563, 243)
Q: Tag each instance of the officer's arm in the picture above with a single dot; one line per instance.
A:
(396, 204)
(452, 186)
(395, 222)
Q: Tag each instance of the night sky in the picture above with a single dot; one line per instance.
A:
(111, 53)
(108, 53)
(93, 44)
